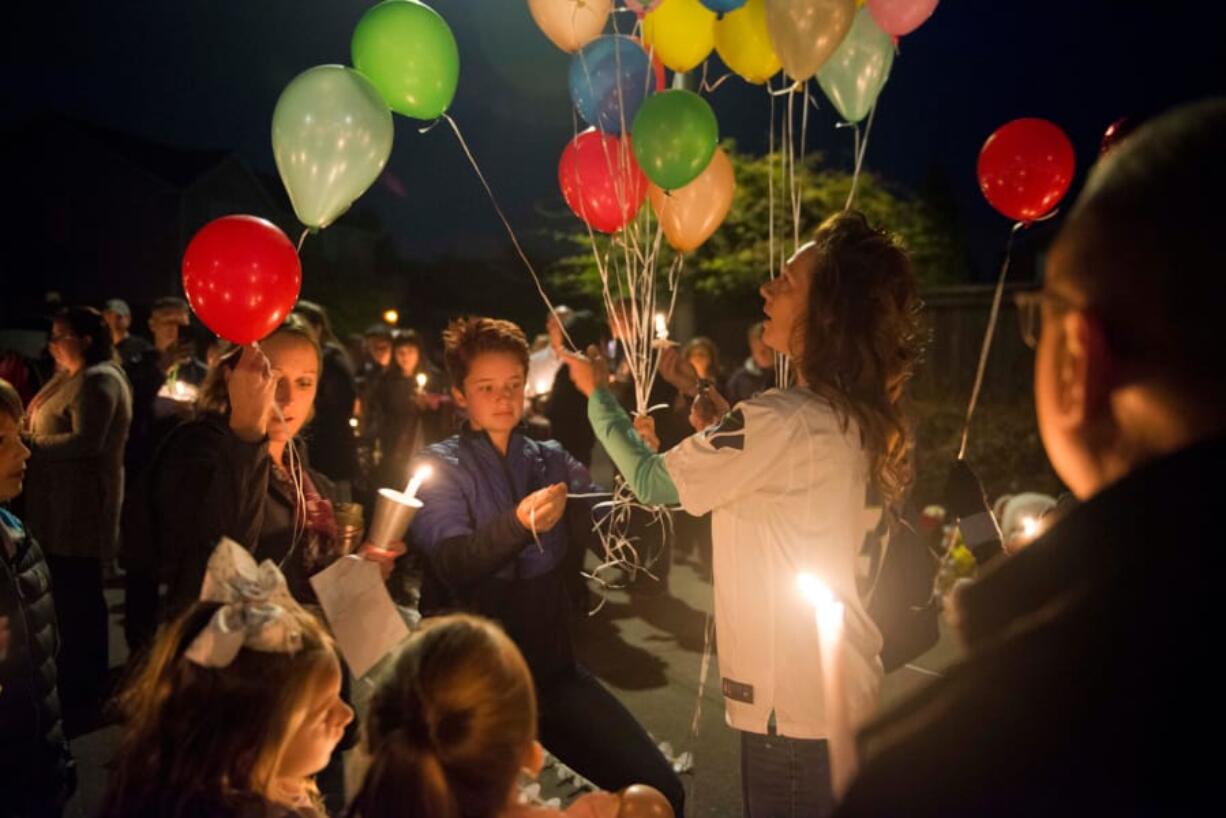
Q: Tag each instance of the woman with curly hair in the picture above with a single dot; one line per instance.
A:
(786, 475)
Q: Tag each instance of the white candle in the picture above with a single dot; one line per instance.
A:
(416, 480)
(421, 380)
(661, 327)
(843, 761)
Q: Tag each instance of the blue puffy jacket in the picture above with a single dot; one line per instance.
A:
(479, 557)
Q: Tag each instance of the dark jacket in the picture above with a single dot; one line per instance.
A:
(207, 483)
(748, 381)
(479, 557)
(400, 427)
(35, 764)
(1088, 688)
(567, 413)
(333, 446)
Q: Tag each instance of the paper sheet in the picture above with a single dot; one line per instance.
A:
(360, 612)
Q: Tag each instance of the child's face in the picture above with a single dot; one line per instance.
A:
(13, 457)
(493, 392)
(311, 745)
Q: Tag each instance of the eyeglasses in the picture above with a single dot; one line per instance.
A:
(1030, 312)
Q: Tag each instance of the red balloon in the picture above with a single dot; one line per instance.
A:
(242, 277)
(601, 180)
(1025, 168)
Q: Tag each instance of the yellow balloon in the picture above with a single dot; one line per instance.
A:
(690, 214)
(680, 32)
(744, 44)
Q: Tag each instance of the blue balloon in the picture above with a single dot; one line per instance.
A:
(723, 6)
(609, 79)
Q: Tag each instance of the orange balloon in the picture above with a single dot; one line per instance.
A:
(571, 24)
(642, 801)
(690, 214)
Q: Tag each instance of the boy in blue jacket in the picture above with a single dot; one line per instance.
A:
(495, 527)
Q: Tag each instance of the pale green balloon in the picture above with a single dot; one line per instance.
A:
(857, 70)
(331, 137)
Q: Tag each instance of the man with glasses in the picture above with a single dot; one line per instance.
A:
(1088, 682)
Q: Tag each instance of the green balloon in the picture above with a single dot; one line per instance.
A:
(331, 136)
(857, 70)
(674, 135)
(408, 51)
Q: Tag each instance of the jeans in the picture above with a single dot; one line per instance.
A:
(785, 777)
(591, 732)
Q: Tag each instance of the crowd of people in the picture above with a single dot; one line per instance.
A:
(215, 477)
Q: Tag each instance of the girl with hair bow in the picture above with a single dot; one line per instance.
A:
(236, 707)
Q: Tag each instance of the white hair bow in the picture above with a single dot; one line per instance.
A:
(256, 610)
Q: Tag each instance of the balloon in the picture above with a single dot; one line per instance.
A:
(680, 32)
(331, 137)
(601, 181)
(690, 214)
(744, 44)
(640, 8)
(609, 78)
(675, 135)
(642, 801)
(806, 32)
(242, 277)
(571, 24)
(408, 51)
(1025, 168)
(901, 17)
(723, 6)
(857, 70)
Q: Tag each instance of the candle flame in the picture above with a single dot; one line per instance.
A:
(661, 326)
(815, 590)
(421, 380)
(423, 472)
(1030, 526)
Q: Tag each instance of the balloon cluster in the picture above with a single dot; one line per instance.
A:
(331, 138)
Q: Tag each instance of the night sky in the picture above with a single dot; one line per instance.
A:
(207, 73)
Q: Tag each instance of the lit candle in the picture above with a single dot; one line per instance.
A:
(353, 423)
(421, 380)
(1030, 527)
(416, 480)
(829, 609)
(391, 317)
(661, 327)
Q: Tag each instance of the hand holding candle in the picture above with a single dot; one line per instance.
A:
(843, 761)
(394, 511)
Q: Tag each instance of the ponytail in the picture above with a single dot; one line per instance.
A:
(404, 779)
(448, 729)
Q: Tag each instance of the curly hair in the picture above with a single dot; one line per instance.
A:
(466, 338)
(862, 339)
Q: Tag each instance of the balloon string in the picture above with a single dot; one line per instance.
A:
(988, 334)
(861, 148)
(505, 223)
(713, 86)
(302, 239)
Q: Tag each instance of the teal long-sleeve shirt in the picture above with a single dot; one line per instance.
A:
(643, 469)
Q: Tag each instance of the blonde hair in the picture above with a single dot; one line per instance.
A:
(195, 733)
(448, 730)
